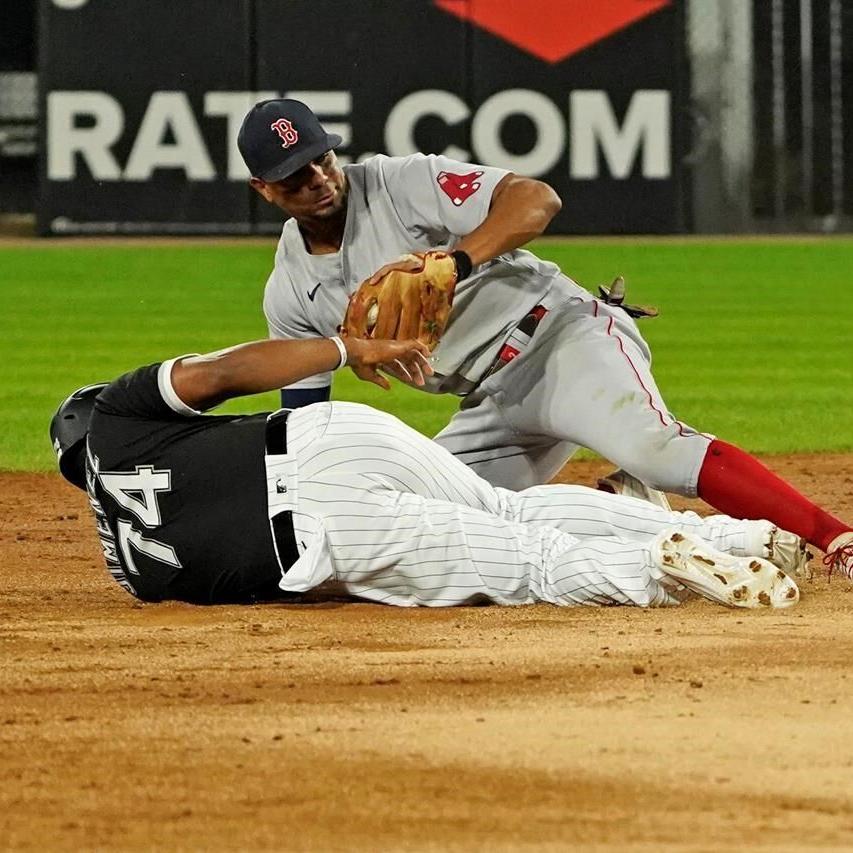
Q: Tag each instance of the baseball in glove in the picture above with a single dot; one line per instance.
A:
(411, 300)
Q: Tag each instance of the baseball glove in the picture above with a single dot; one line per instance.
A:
(405, 303)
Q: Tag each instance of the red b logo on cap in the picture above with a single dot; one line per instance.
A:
(287, 132)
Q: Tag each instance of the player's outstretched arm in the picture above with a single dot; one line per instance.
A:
(204, 381)
(520, 210)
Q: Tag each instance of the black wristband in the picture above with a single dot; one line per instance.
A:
(463, 264)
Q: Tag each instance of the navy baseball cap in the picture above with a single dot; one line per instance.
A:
(279, 137)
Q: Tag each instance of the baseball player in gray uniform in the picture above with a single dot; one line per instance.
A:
(542, 367)
(338, 496)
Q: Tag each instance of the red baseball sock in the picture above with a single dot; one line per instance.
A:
(737, 484)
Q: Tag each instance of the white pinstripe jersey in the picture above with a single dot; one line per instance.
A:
(398, 205)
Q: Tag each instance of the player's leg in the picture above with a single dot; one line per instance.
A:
(588, 513)
(479, 436)
(401, 548)
(734, 481)
(587, 379)
(380, 450)
(730, 479)
(362, 481)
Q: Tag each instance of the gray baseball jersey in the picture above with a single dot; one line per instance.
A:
(582, 379)
(398, 205)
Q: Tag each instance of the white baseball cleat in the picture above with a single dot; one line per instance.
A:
(750, 582)
(839, 555)
(622, 483)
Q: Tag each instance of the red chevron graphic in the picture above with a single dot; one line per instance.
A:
(552, 30)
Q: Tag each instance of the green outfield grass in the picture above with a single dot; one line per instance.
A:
(755, 341)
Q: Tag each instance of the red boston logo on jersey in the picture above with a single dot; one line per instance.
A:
(552, 30)
(287, 132)
(459, 187)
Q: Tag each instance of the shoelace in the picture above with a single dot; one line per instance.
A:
(835, 559)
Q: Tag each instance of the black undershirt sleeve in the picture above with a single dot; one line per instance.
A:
(296, 398)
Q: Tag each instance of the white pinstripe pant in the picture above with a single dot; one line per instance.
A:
(409, 524)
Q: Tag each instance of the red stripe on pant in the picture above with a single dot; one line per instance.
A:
(665, 419)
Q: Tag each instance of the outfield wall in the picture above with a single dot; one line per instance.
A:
(647, 116)
(141, 121)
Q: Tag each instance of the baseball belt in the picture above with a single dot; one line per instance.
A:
(518, 339)
(281, 524)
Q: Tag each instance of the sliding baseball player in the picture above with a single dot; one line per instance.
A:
(338, 496)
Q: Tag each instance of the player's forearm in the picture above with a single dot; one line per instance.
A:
(521, 210)
(204, 381)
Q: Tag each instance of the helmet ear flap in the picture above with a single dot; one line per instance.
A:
(68, 430)
(73, 465)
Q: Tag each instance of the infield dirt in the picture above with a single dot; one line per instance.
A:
(347, 726)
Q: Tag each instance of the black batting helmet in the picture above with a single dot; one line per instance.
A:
(68, 430)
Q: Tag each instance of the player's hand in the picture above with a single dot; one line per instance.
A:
(407, 360)
(407, 263)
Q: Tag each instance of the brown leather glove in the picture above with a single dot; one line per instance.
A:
(413, 301)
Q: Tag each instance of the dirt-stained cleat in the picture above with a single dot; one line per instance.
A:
(750, 582)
